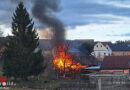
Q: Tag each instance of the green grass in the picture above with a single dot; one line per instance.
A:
(41, 84)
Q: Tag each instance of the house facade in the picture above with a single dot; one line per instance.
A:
(118, 49)
(113, 64)
(100, 50)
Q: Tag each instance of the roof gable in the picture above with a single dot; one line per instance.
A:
(99, 47)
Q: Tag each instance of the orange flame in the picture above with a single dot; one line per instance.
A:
(63, 61)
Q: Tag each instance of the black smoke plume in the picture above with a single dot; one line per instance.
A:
(43, 10)
(17, 1)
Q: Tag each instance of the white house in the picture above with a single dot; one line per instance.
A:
(101, 50)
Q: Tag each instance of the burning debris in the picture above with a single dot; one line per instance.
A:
(42, 10)
(63, 62)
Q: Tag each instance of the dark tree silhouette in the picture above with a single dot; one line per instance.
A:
(21, 56)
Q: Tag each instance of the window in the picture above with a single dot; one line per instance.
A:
(97, 45)
(126, 53)
(114, 54)
(99, 54)
(119, 54)
(101, 45)
(104, 54)
(129, 62)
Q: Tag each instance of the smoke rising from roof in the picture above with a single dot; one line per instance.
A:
(43, 10)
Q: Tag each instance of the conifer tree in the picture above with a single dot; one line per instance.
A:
(21, 56)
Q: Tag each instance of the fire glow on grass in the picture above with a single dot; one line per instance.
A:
(63, 61)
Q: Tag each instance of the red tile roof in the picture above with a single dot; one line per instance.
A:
(116, 62)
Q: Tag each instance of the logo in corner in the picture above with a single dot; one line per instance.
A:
(3, 83)
(6, 84)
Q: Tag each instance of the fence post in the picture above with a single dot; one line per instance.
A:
(99, 84)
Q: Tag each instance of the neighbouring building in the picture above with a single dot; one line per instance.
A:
(100, 50)
(113, 64)
(118, 49)
(73, 45)
(73, 48)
